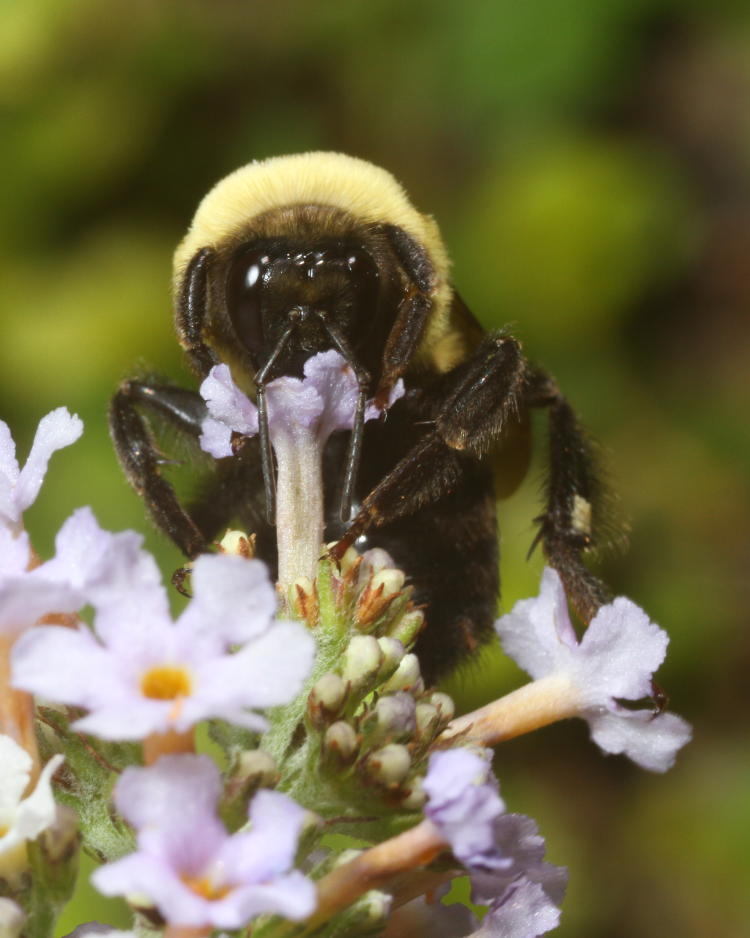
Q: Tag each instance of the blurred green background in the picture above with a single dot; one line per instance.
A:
(589, 164)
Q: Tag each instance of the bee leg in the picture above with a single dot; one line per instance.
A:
(469, 408)
(190, 313)
(140, 458)
(414, 308)
(574, 495)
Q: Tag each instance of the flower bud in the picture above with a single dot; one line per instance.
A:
(348, 560)
(238, 543)
(407, 627)
(393, 652)
(416, 797)
(340, 744)
(390, 765)
(303, 601)
(326, 699)
(406, 676)
(11, 919)
(392, 717)
(428, 720)
(445, 707)
(251, 770)
(255, 769)
(362, 660)
(373, 561)
(377, 595)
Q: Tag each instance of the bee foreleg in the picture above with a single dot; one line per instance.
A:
(141, 459)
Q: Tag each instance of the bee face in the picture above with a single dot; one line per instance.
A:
(282, 284)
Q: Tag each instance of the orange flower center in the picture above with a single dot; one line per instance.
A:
(166, 682)
(204, 887)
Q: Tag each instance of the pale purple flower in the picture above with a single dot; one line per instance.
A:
(517, 838)
(25, 595)
(463, 802)
(503, 853)
(187, 864)
(324, 400)
(140, 673)
(524, 911)
(615, 660)
(20, 487)
(302, 414)
(90, 566)
(22, 819)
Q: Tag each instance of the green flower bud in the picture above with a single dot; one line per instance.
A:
(326, 699)
(407, 627)
(303, 601)
(416, 797)
(340, 744)
(428, 720)
(377, 595)
(389, 766)
(406, 676)
(238, 543)
(445, 707)
(391, 718)
(362, 660)
(393, 652)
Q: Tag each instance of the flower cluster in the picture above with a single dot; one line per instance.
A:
(317, 702)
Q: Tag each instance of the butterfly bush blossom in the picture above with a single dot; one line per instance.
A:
(302, 415)
(313, 700)
(186, 863)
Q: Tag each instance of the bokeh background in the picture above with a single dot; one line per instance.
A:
(589, 164)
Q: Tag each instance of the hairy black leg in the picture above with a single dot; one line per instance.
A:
(413, 311)
(140, 457)
(469, 407)
(571, 523)
(190, 313)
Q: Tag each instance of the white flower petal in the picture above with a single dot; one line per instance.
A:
(65, 665)
(56, 430)
(268, 671)
(227, 403)
(38, 812)
(232, 596)
(619, 652)
(651, 741)
(15, 769)
(215, 438)
(537, 633)
(9, 472)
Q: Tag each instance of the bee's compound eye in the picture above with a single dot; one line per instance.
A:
(246, 281)
(361, 266)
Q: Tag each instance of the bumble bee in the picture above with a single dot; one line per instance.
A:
(298, 254)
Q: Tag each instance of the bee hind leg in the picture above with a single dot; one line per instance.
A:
(576, 496)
